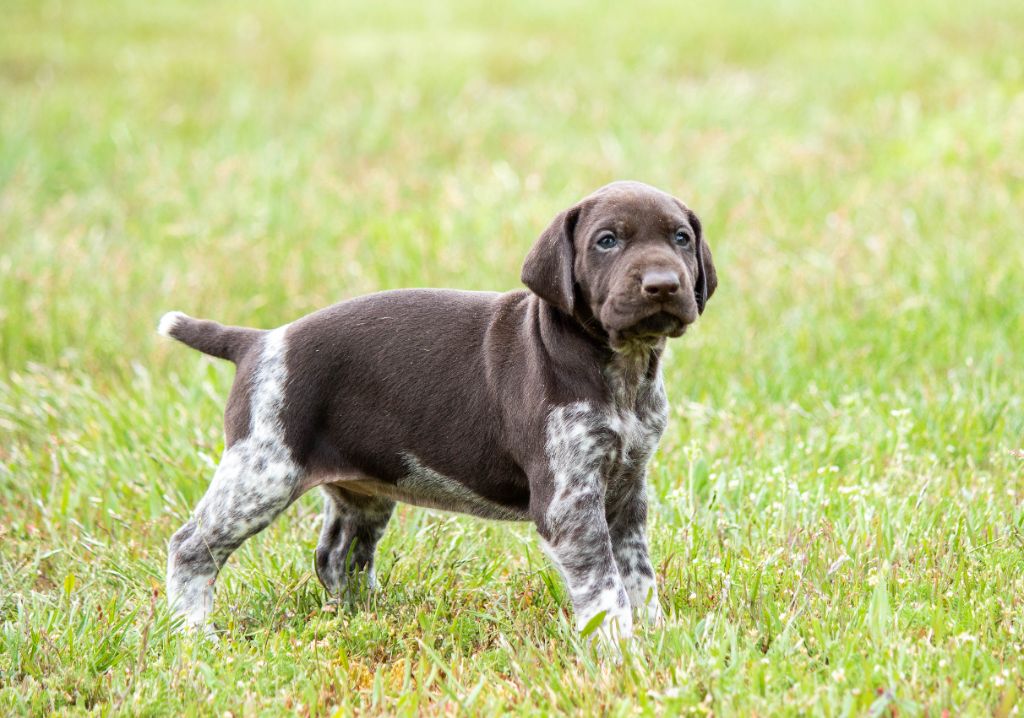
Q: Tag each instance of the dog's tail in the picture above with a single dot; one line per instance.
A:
(209, 337)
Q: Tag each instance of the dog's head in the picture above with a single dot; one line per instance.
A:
(629, 256)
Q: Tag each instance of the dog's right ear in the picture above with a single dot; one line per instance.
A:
(548, 269)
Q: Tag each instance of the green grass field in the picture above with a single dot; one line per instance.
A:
(836, 509)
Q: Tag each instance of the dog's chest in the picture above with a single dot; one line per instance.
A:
(637, 428)
(594, 448)
(613, 439)
(638, 412)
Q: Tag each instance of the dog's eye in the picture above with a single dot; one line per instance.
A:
(682, 238)
(607, 241)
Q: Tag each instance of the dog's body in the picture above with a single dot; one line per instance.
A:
(541, 406)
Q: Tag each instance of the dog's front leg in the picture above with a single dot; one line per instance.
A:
(568, 507)
(575, 536)
(627, 523)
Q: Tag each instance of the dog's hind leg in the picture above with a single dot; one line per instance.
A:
(249, 490)
(256, 480)
(353, 524)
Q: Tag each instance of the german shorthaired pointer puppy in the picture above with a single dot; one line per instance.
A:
(541, 405)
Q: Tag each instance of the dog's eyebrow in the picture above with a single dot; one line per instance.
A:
(618, 224)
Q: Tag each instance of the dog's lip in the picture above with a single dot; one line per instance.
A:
(637, 319)
(652, 329)
(657, 324)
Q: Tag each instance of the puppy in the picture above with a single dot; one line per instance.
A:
(542, 405)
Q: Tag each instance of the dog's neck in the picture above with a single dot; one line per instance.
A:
(626, 369)
(631, 368)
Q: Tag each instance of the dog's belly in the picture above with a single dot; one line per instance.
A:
(422, 486)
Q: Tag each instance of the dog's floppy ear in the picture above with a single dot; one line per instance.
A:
(707, 277)
(547, 270)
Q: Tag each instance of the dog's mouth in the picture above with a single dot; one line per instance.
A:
(659, 324)
(649, 329)
(630, 320)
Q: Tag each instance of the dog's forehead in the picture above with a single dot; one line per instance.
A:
(626, 204)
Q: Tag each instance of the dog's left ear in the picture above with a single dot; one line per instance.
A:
(707, 277)
(547, 270)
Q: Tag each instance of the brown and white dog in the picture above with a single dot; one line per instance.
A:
(541, 405)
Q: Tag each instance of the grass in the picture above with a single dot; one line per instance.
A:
(836, 507)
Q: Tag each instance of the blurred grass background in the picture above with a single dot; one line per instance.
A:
(836, 506)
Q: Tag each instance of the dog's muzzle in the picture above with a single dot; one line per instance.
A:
(648, 316)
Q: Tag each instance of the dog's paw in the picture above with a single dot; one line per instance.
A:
(614, 647)
(610, 633)
(201, 631)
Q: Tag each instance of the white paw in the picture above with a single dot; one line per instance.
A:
(612, 635)
(196, 627)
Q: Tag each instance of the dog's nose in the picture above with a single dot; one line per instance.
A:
(659, 283)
